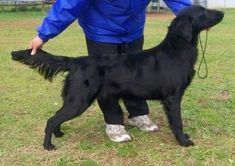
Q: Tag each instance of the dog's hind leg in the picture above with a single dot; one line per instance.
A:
(173, 112)
(77, 99)
(58, 132)
(68, 112)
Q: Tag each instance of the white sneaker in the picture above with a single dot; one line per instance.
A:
(117, 133)
(143, 123)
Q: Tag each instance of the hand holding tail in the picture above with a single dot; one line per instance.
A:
(35, 44)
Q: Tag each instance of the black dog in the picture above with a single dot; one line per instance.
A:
(162, 73)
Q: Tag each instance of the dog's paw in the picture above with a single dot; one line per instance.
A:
(49, 147)
(58, 134)
(186, 136)
(186, 143)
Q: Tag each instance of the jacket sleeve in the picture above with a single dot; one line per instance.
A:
(60, 16)
(177, 5)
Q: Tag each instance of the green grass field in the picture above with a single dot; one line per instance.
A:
(27, 101)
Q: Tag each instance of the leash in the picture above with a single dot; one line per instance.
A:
(203, 76)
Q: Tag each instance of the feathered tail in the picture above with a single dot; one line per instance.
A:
(47, 65)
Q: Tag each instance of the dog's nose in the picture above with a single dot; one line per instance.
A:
(222, 13)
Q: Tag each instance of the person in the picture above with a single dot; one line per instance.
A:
(110, 27)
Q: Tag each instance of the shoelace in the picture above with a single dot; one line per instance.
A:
(145, 119)
(116, 128)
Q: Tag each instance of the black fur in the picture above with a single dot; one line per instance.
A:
(47, 65)
(161, 73)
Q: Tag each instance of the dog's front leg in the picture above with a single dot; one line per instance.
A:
(173, 112)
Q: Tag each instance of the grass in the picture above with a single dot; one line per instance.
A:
(27, 101)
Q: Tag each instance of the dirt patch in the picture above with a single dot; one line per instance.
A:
(37, 150)
(20, 23)
(223, 95)
(3, 88)
(202, 101)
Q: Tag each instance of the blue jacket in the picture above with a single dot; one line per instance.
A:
(113, 21)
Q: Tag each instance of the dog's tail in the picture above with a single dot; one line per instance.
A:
(48, 65)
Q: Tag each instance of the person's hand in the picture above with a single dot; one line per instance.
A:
(35, 44)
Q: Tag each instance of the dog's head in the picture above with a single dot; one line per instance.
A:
(193, 20)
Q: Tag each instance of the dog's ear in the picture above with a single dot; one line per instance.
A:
(182, 26)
